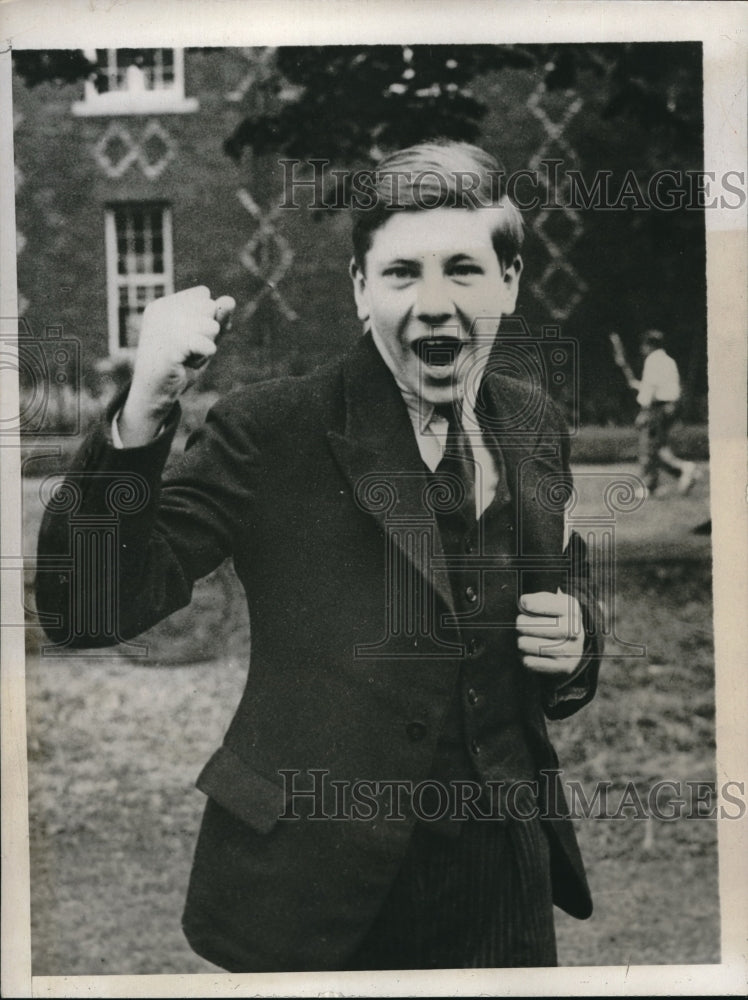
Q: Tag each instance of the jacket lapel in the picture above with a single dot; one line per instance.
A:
(530, 450)
(501, 411)
(378, 454)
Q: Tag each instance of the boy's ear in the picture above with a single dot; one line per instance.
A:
(515, 269)
(510, 278)
(359, 290)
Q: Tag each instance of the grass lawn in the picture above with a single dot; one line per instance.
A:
(115, 744)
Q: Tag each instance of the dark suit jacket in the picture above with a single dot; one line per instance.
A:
(290, 478)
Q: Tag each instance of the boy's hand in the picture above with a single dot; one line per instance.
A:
(177, 337)
(551, 636)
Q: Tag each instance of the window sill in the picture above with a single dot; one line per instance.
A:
(148, 103)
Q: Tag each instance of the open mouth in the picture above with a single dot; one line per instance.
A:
(437, 352)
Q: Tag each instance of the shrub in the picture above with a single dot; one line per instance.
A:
(616, 445)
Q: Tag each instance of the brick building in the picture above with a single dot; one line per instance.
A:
(125, 193)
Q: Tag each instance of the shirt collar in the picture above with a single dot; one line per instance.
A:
(420, 411)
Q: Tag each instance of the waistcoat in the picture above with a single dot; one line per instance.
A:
(482, 737)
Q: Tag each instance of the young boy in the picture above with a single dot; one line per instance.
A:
(385, 794)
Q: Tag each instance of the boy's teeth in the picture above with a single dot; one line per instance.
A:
(438, 351)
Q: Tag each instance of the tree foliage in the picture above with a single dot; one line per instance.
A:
(348, 102)
(353, 102)
(60, 66)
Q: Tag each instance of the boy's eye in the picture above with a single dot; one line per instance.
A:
(464, 269)
(399, 271)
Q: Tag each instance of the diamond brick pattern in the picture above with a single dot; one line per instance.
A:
(559, 286)
(260, 63)
(118, 149)
(267, 256)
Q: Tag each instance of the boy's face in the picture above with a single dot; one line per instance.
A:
(434, 292)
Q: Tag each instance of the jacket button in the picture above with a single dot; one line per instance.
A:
(416, 731)
(471, 594)
(476, 647)
(475, 748)
(473, 697)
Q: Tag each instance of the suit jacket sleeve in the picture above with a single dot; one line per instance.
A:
(162, 536)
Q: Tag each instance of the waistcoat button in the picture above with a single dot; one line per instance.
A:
(416, 731)
(475, 748)
(473, 697)
(476, 647)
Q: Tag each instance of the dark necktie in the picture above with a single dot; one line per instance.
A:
(456, 465)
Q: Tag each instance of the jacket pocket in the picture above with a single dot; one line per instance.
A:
(245, 793)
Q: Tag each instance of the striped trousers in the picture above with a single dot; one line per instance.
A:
(480, 900)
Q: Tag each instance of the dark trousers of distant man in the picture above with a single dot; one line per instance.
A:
(654, 435)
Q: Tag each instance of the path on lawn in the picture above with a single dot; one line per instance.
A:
(647, 530)
(658, 528)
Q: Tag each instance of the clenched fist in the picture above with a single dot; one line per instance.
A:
(551, 636)
(177, 337)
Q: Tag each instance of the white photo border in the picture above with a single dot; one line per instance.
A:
(722, 29)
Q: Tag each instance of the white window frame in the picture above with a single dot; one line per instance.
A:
(117, 281)
(168, 100)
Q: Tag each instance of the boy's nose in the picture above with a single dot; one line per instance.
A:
(434, 304)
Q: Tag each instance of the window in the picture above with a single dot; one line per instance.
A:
(135, 70)
(135, 81)
(139, 267)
